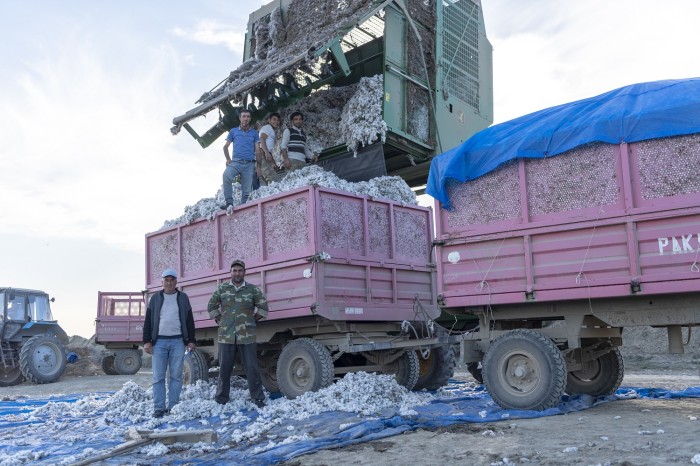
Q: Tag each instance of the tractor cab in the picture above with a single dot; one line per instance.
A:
(25, 305)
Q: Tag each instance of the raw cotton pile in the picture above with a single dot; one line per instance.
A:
(204, 208)
(386, 187)
(322, 115)
(308, 25)
(96, 420)
(350, 115)
(361, 122)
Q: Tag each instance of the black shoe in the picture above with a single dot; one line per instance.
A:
(259, 403)
(158, 413)
(221, 401)
(225, 206)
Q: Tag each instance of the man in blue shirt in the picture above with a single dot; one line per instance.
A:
(245, 144)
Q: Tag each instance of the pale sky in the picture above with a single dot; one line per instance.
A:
(89, 90)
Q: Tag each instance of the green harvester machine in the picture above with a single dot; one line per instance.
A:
(433, 55)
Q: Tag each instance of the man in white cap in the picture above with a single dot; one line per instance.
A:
(168, 327)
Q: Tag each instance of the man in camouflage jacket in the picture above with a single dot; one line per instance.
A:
(236, 306)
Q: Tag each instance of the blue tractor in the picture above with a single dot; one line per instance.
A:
(31, 341)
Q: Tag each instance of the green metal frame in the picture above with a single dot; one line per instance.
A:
(461, 103)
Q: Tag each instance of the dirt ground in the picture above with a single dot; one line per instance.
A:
(630, 432)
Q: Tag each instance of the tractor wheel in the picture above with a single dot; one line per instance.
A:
(523, 369)
(267, 360)
(600, 377)
(42, 359)
(406, 368)
(436, 370)
(10, 376)
(127, 362)
(108, 365)
(304, 365)
(195, 368)
(474, 369)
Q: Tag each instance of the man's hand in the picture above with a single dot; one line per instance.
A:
(217, 319)
(287, 164)
(258, 317)
(268, 157)
(191, 346)
(148, 348)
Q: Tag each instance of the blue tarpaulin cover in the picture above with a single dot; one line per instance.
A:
(628, 114)
(74, 434)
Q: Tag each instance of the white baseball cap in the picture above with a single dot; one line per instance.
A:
(169, 273)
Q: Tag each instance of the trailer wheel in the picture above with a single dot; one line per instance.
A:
(107, 364)
(304, 365)
(195, 368)
(407, 369)
(436, 370)
(600, 377)
(42, 359)
(267, 361)
(127, 362)
(475, 369)
(10, 376)
(523, 369)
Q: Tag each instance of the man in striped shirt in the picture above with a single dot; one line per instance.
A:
(295, 150)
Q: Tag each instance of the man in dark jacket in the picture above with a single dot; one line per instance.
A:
(168, 327)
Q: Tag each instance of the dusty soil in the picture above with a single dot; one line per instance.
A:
(630, 432)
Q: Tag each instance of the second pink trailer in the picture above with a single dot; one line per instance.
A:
(551, 255)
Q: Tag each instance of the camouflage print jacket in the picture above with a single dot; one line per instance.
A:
(235, 311)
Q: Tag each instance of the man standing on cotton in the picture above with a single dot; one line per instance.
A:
(266, 162)
(295, 150)
(245, 143)
(168, 327)
(237, 306)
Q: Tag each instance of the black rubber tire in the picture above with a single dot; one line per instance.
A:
(435, 371)
(304, 365)
(475, 370)
(407, 369)
(195, 368)
(267, 361)
(42, 359)
(524, 369)
(107, 364)
(10, 376)
(127, 362)
(602, 377)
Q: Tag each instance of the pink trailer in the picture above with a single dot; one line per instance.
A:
(119, 326)
(572, 223)
(343, 275)
(553, 257)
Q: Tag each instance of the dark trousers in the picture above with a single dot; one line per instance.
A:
(249, 358)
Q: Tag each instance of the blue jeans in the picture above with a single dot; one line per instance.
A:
(247, 171)
(167, 352)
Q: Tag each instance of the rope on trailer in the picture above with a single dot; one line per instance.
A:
(428, 331)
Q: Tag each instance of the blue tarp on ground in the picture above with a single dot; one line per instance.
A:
(629, 114)
(462, 403)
